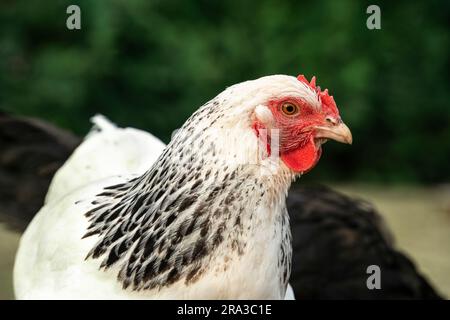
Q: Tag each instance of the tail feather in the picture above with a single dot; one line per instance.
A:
(100, 124)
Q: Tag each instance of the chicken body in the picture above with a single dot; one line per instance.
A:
(59, 270)
(76, 173)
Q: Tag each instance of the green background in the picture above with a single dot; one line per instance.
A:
(150, 64)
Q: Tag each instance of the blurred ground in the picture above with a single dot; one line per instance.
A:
(8, 245)
(419, 217)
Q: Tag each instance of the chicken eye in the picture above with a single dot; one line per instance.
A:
(289, 109)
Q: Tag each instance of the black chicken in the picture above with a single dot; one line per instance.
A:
(335, 239)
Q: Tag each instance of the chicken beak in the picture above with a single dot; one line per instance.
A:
(338, 132)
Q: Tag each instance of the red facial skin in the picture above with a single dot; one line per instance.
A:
(298, 149)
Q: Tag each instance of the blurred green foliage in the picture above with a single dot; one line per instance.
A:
(150, 64)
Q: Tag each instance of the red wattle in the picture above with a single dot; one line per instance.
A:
(303, 158)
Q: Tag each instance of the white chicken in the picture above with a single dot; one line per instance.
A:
(127, 151)
(207, 220)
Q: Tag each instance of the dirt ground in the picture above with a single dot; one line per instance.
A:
(418, 217)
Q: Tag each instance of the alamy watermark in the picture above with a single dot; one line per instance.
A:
(374, 20)
(73, 21)
(374, 280)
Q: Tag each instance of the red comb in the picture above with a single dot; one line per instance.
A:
(328, 104)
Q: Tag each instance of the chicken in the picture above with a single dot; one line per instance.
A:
(109, 143)
(199, 218)
(322, 220)
(31, 152)
(335, 239)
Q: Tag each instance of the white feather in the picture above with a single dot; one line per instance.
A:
(106, 151)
